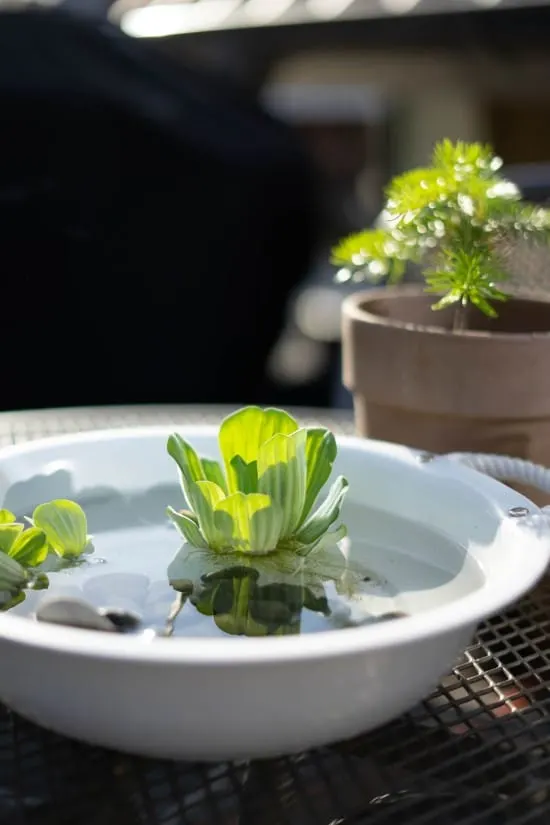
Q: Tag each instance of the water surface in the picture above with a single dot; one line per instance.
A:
(407, 569)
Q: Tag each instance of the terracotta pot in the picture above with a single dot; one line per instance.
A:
(415, 382)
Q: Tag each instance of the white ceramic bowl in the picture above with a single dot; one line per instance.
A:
(210, 698)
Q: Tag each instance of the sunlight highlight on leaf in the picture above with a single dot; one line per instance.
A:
(243, 433)
(64, 523)
(7, 517)
(30, 547)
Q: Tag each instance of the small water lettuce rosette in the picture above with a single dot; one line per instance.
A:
(56, 529)
(259, 508)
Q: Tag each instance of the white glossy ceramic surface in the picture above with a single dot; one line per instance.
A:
(213, 698)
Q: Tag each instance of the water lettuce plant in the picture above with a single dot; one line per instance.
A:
(262, 499)
(258, 542)
(57, 527)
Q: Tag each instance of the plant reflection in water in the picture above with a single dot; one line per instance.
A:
(241, 605)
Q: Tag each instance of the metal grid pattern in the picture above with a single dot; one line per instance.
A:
(476, 752)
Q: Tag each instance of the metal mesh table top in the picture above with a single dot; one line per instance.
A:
(477, 751)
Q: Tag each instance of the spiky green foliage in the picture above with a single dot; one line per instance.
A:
(456, 218)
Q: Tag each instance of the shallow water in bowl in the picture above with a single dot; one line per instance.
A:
(407, 568)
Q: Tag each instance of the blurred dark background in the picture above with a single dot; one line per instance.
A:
(173, 175)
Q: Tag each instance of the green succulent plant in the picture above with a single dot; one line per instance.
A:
(263, 498)
(57, 527)
(457, 218)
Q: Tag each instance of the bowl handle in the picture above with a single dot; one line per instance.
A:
(505, 468)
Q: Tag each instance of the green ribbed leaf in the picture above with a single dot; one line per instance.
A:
(188, 528)
(213, 472)
(282, 476)
(246, 475)
(189, 464)
(205, 495)
(8, 600)
(320, 521)
(321, 453)
(243, 433)
(265, 528)
(7, 517)
(328, 540)
(30, 547)
(12, 574)
(8, 536)
(64, 523)
(248, 523)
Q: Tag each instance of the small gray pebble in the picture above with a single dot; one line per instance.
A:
(73, 613)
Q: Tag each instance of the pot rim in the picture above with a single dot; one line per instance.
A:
(353, 308)
(532, 533)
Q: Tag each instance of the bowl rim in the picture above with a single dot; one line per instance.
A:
(461, 614)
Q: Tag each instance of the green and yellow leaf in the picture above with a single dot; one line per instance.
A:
(243, 433)
(65, 526)
(282, 475)
(30, 547)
